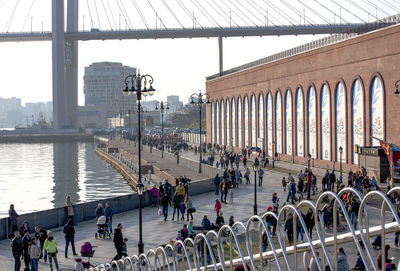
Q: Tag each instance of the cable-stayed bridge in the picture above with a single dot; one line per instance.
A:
(150, 19)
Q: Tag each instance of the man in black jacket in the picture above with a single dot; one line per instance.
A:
(118, 242)
(17, 248)
(69, 233)
(332, 180)
(165, 201)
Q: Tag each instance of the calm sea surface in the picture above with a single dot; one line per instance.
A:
(36, 177)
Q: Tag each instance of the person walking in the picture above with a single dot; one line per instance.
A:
(217, 206)
(309, 220)
(70, 207)
(237, 161)
(156, 195)
(189, 206)
(26, 242)
(284, 184)
(17, 249)
(34, 254)
(50, 245)
(69, 234)
(13, 217)
(99, 211)
(332, 180)
(176, 200)
(260, 176)
(247, 175)
(289, 228)
(118, 242)
(108, 212)
(41, 235)
(217, 182)
(182, 210)
(164, 202)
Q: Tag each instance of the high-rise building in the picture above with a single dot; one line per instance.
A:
(103, 85)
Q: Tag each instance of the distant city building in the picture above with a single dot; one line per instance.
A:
(103, 85)
(150, 105)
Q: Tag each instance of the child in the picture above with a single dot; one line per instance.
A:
(284, 184)
(34, 254)
(79, 265)
(125, 248)
(230, 196)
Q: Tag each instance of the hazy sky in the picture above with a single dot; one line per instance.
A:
(178, 66)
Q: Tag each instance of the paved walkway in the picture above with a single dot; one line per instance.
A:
(157, 232)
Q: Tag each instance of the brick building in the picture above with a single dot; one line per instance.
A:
(313, 99)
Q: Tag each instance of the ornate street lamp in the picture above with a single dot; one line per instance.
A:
(397, 85)
(136, 84)
(199, 102)
(162, 106)
(256, 166)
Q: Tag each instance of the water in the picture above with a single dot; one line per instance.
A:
(37, 177)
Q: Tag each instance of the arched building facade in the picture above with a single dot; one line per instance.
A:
(315, 102)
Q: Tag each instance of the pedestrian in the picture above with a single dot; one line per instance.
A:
(292, 192)
(34, 254)
(70, 207)
(205, 223)
(41, 235)
(230, 196)
(309, 220)
(189, 207)
(176, 201)
(237, 161)
(50, 245)
(332, 180)
(24, 227)
(271, 221)
(221, 188)
(156, 195)
(220, 221)
(26, 242)
(247, 175)
(260, 176)
(238, 178)
(284, 184)
(164, 202)
(184, 232)
(191, 230)
(359, 263)
(217, 206)
(182, 209)
(307, 260)
(244, 160)
(226, 189)
(289, 228)
(99, 211)
(13, 217)
(217, 181)
(354, 208)
(275, 201)
(118, 242)
(342, 264)
(69, 234)
(108, 212)
(314, 263)
(17, 249)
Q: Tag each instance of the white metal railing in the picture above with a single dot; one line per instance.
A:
(192, 251)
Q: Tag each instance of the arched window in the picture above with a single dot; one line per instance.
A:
(269, 124)
(253, 121)
(377, 124)
(260, 117)
(234, 123)
(299, 122)
(223, 130)
(312, 123)
(288, 120)
(228, 123)
(357, 113)
(218, 123)
(278, 122)
(239, 116)
(212, 124)
(246, 121)
(325, 123)
(340, 121)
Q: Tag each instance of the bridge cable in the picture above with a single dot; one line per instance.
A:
(97, 13)
(331, 11)
(173, 14)
(234, 12)
(242, 15)
(90, 13)
(316, 12)
(248, 10)
(218, 12)
(11, 17)
(112, 14)
(2, 2)
(140, 13)
(155, 12)
(105, 11)
(127, 18)
(188, 13)
(212, 17)
(376, 7)
(269, 15)
(226, 14)
(308, 20)
(278, 11)
(388, 4)
(205, 13)
(123, 15)
(27, 16)
(348, 11)
(361, 8)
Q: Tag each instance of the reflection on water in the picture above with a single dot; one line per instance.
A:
(38, 176)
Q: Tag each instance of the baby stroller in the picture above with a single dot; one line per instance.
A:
(102, 228)
(87, 251)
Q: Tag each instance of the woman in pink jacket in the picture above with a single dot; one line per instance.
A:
(217, 206)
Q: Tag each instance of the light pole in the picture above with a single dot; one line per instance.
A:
(162, 106)
(142, 111)
(256, 166)
(136, 82)
(340, 159)
(308, 161)
(273, 153)
(129, 127)
(199, 102)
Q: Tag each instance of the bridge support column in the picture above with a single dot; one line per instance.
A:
(220, 56)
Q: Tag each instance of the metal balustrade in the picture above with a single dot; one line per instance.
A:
(189, 256)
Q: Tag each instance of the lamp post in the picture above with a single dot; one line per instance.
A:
(397, 85)
(162, 106)
(199, 102)
(273, 153)
(139, 85)
(256, 166)
(308, 161)
(142, 111)
(340, 159)
(129, 127)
